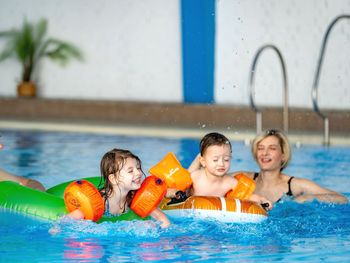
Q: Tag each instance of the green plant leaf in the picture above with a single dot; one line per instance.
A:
(9, 49)
(41, 29)
(61, 51)
(7, 52)
(8, 34)
(29, 45)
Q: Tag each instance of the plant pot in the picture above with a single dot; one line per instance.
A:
(26, 89)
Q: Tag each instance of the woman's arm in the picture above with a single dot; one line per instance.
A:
(305, 190)
(195, 165)
(158, 215)
(5, 176)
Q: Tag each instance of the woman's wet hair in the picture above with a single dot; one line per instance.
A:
(113, 162)
(211, 139)
(283, 142)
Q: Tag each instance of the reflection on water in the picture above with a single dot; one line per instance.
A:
(291, 230)
(82, 250)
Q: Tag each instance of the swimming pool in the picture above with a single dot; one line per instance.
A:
(293, 232)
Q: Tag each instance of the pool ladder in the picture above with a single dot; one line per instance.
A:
(285, 90)
(314, 93)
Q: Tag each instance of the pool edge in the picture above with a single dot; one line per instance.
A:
(160, 131)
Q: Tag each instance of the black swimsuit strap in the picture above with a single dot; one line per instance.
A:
(289, 193)
(289, 189)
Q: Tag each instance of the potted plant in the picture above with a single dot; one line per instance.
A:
(29, 45)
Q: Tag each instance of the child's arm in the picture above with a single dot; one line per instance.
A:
(195, 165)
(171, 192)
(158, 215)
(76, 214)
(265, 203)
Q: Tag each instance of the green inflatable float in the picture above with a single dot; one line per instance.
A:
(47, 205)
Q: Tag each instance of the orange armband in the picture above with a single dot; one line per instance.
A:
(170, 170)
(244, 188)
(84, 196)
(148, 197)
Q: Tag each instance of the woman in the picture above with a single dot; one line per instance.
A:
(272, 152)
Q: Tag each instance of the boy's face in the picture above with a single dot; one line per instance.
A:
(217, 159)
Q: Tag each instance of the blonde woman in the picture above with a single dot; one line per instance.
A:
(272, 153)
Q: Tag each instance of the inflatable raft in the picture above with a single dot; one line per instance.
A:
(46, 205)
(233, 208)
(226, 210)
(64, 198)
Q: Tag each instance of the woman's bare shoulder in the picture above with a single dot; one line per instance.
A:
(303, 185)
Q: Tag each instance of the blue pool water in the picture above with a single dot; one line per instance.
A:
(311, 232)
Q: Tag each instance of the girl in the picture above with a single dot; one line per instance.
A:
(122, 175)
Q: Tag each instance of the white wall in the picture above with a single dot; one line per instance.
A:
(296, 27)
(132, 48)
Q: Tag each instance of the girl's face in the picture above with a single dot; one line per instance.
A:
(130, 176)
(269, 154)
(217, 159)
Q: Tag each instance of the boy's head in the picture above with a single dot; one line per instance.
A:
(211, 139)
(215, 154)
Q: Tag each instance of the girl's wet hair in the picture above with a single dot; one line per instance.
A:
(211, 139)
(112, 162)
(283, 142)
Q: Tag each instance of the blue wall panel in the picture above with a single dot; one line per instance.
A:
(198, 40)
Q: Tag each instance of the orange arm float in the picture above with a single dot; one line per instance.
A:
(244, 188)
(148, 197)
(84, 196)
(170, 170)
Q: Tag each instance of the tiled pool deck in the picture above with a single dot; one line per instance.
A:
(166, 119)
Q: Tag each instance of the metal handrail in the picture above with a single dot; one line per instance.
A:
(314, 92)
(285, 90)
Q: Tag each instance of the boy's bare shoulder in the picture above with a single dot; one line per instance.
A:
(229, 178)
(196, 174)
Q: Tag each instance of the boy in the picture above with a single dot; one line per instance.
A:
(209, 170)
